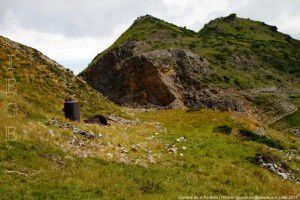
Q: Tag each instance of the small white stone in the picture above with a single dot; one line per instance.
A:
(151, 159)
(283, 175)
(110, 155)
(69, 158)
(271, 167)
(51, 132)
(181, 139)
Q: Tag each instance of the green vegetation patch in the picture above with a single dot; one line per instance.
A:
(225, 129)
(249, 135)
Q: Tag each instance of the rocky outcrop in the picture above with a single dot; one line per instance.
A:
(159, 78)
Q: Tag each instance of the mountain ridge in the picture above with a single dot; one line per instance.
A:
(229, 56)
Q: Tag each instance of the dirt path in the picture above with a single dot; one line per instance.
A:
(282, 116)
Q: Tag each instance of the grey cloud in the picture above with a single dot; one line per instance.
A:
(78, 17)
(272, 12)
(99, 18)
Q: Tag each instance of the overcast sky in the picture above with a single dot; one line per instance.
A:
(72, 32)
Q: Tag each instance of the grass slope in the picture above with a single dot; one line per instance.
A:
(33, 166)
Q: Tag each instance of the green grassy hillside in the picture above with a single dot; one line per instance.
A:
(40, 85)
(219, 42)
(206, 162)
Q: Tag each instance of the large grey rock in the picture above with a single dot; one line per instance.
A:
(159, 78)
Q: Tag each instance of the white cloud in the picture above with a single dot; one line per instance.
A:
(192, 13)
(73, 52)
(293, 25)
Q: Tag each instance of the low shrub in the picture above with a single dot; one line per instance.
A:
(261, 139)
(225, 129)
(151, 187)
(226, 79)
(192, 45)
(221, 57)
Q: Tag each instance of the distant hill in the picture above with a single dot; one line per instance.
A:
(231, 64)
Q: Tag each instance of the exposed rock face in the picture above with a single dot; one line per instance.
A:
(160, 78)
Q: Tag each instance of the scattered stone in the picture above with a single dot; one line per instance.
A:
(271, 167)
(87, 134)
(83, 154)
(260, 131)
(183, 148)
(181, 139)
(124, 150)
(150, 138)
(295, 131)
(134, 147)
(108, 144)
(290, 155)
(172, 149)
(66, 126)
(42, 125)
(151, 159)
(69, 158)
(181, 154)
(110, 155)
(159, 127)
(283, 175)
(148, 151)
(141, 163)
(279, 168)
(123, 160)
(122, 121)
(51, 132)
(77, 142)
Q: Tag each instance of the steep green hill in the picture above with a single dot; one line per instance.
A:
(235, 35)
(232, 63)
(40, 85)
(219, 40)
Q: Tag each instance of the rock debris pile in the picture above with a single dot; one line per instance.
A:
(75, 130)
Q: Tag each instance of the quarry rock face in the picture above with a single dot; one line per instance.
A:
(159, 78)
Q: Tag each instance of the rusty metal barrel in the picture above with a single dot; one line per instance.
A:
(71, 110)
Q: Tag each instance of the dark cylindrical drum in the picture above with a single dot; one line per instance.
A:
(71, 110)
